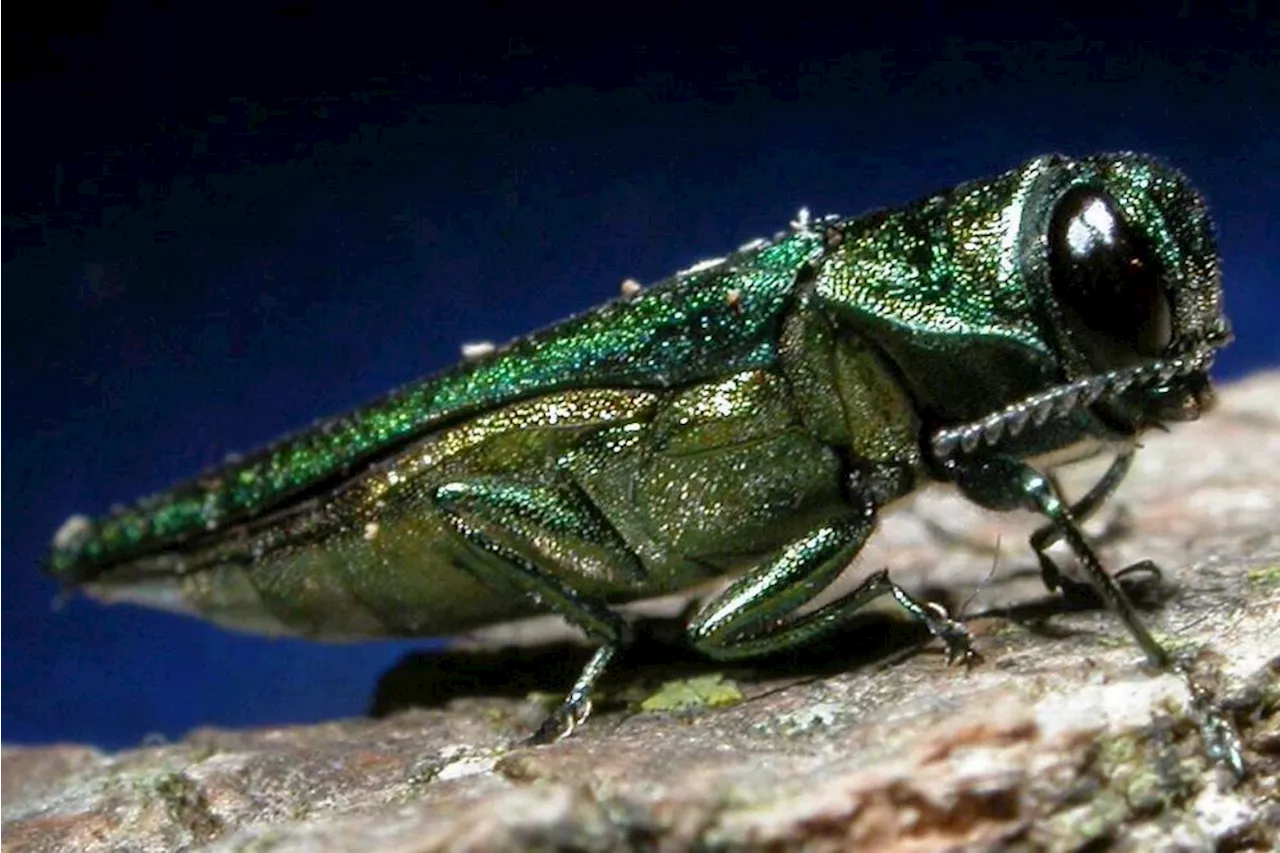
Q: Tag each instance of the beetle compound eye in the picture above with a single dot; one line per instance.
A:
(1107, 280)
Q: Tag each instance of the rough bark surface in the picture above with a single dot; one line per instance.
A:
(1061, 740)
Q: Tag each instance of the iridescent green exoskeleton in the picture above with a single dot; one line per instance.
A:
(750, 416)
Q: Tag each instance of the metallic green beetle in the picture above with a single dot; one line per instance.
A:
(749, 416)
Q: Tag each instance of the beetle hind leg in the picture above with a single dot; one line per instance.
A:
(535, 539)
(754, 616)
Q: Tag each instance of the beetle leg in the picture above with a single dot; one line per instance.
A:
(754, 615)
(532, 539)
(1004, 483)
(1081, 511)
(1045, 537)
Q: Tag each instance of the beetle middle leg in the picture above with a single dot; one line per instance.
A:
(531, 538)
(753, 616)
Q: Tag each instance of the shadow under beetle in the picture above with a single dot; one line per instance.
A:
(749, 416)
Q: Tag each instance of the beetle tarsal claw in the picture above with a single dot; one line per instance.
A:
(562, 722)
(1217, 731)
(954, 635)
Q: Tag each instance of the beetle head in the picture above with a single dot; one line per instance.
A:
(1130, 278)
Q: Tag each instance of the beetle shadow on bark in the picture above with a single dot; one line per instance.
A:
(660, 653)
(1147, 592)
(433, 678)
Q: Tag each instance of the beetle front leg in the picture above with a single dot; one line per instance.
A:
(754, 616)
(1004, 483)
(1045, 537)
(527, 538)
(1081, 511)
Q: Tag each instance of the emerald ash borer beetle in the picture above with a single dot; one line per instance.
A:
(748, 417)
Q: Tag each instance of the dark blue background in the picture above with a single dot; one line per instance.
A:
(220, 225)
